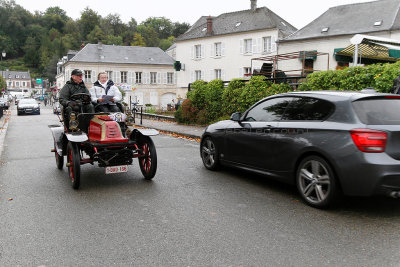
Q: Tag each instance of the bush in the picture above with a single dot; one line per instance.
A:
(255, 90)
(230, 96)
(379, 76)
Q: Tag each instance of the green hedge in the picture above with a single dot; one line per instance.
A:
(210, 102)
(379, 76)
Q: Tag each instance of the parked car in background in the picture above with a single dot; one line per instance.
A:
(4, 102)
(28, 106)
(324, 142)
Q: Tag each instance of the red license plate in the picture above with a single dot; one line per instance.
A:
(116, 169)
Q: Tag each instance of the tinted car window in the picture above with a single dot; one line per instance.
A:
(378, 111)
(306, 108)
(269, 110)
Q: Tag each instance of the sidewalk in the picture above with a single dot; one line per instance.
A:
(194, 132)
(3, 127)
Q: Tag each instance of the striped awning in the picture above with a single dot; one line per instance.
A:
(370, 50)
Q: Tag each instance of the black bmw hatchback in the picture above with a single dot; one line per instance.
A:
(324, 142)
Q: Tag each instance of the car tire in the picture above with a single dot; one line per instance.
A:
(209, 154)
(148, 161)
(74, 164)
(316, 182)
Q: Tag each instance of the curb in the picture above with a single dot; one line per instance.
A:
(167, 132)
(3, 128)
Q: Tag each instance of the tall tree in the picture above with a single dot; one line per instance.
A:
(162, 26)
(89, 19)
(138, 40)
(149, 34)
(180, 28)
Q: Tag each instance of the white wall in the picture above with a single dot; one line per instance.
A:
(232, 61)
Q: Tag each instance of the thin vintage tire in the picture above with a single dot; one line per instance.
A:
(148, 162)
(59, 159)
(74, 168)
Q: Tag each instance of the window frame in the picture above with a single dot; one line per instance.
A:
(153, 77)
(139, 75)
(248, 46)
(124, 77)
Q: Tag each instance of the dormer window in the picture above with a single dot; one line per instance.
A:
(17, 76)
(204, 29)
(238, 24)
(325, 29)
(378, 23)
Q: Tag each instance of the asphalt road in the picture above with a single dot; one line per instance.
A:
(186, 216)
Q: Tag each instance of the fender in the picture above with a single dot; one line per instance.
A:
(77, 137)
(58, 133)
(135, 133)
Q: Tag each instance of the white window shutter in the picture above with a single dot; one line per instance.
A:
(192, 76)
(223, 75)
(211, 75)
(174, 81)
(118, 76)
(203, 51)
(241, 46)
(133, 77)
(192, 51)
(202, 75)
(259, 45)
(147, 77)
(223, 49)
(94, 77)
(130, 78)
(254, 48)
(158, 78)
(165, 78)
(273, 44)
(114, 76)
(212, 53)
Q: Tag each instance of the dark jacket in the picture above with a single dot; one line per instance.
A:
(69, 89)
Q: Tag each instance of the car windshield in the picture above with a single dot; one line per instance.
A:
(382, 111)
(27, 101)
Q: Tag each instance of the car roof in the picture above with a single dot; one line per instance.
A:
(350, 95)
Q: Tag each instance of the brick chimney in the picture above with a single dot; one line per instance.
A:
(209, 25)
(253, 5)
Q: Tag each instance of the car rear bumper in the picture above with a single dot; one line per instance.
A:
(369, 174)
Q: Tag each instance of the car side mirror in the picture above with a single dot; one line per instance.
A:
(236, 116)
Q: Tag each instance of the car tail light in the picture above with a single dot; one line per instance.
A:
(367, 140)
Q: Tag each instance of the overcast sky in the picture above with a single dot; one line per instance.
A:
(298, 13)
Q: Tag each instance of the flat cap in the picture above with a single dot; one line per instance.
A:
(76, 72)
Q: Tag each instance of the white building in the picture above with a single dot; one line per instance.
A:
(146, 74)
(18, 81)
(331, 33)
(222, 47)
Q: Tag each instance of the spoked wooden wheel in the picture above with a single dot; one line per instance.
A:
(148, 159)
(74, 164)
(59, 159)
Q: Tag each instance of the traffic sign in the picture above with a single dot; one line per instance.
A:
(39, 80)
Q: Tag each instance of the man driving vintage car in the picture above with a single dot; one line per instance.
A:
(75, 86)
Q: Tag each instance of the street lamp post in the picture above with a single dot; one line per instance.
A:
(3, 54)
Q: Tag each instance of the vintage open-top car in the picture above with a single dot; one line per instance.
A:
(106, 138)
